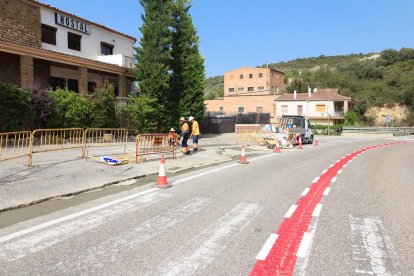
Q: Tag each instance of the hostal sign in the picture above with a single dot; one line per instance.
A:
(72, 23)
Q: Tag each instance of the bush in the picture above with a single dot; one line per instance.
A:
(16, 109)
(72, 110)
(351, 118)
(43, 106)
(138, 115)
(103, 106)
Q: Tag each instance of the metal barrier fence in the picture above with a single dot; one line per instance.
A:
(396, 131)
(156, 143)
(43, 140)
(100, 137)
(14, 144)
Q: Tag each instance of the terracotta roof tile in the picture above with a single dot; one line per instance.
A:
(320, 95)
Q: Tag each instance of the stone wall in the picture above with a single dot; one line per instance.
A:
(20, 22)
(10, 68)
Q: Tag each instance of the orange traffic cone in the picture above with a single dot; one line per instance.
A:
(162, 178)
(277, 148)
(300, 142)
(316, 141)
(243, 157)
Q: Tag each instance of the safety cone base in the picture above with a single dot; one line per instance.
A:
(162, 186)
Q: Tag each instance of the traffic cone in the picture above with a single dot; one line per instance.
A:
(300, 142)
(162, 178)
(243, 157)
(316, 141)
(277, 148)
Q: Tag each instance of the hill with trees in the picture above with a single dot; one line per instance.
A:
(374, 80)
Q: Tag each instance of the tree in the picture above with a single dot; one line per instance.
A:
(187, 80)
(154, 55)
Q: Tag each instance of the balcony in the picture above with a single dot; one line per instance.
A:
(120, 60)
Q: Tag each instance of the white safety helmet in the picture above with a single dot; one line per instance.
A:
(190, 118)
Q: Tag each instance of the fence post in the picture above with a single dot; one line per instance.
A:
(30, 158)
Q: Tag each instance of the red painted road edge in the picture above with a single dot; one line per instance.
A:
(282, 257)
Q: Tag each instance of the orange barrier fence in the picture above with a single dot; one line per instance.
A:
(43, 140)
(100, 137)
(14, 144)
(153, 144)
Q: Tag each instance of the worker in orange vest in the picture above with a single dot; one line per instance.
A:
(185, 134)
(195, 133)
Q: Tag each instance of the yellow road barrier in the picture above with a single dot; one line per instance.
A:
(246, 136)
(14, 144)
(43, 140)
(153, 144)
(101, 137)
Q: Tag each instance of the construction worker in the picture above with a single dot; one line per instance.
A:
(195, 133)
(172, 137)
(185, 133)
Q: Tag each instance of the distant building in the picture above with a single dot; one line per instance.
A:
(43, 45)
(325, 106)
(249, 90)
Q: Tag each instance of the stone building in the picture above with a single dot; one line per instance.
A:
(45, 46)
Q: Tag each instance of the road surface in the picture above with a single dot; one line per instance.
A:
(341, 208)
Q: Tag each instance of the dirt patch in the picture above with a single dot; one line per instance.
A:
(398, 115)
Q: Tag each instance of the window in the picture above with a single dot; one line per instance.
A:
(221, 108)
(250, 76)
(231, 89)
(240, 89)
(49, 34)
(241, 76)
(57, 83)
(74, 41)
(285, 109)
(250, 88)
(107, 49)
(260, 75)
(259, 109)
(260, 88)
(73, 85)
(241, 109)
(300, 109)
(320, 108)
(91, 86)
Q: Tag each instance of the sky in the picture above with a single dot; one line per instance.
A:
(244, 33)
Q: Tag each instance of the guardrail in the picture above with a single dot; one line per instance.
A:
(14, 144)
(43, 140)
(156, 143)
(101, 137)
(396, 131)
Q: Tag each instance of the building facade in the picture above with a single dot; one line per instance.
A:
(324, 106)
(249, 90)
(253, 81)
(43, 46)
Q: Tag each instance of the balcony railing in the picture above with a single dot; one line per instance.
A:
(120, 60)
(129, 62)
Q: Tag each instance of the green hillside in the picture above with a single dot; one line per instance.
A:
(371, 80)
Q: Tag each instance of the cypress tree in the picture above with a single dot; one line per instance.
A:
(154, 58)
(187, 80)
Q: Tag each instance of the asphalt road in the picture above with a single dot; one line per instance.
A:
(316, 211)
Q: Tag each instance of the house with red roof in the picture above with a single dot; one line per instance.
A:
(322, 106)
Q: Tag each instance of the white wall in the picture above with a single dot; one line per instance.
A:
(90, 43)
(308, 108)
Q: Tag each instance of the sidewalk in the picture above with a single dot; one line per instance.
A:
(63, 173)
